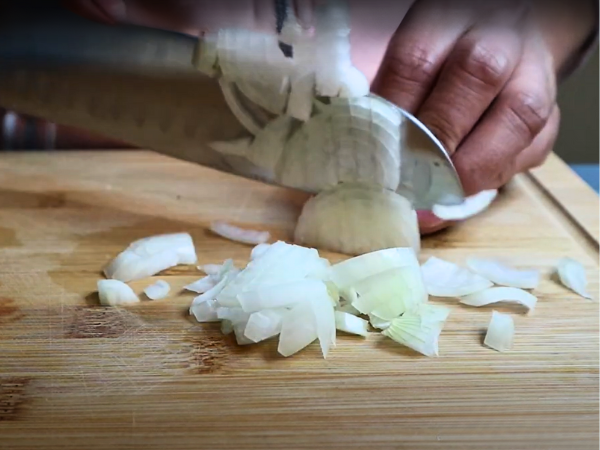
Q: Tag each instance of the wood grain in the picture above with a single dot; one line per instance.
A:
(74, 375)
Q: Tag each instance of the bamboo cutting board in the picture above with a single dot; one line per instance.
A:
(77, 376)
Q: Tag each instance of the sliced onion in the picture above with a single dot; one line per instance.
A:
(205, 311)
(419, 329)
(472, 206)
(347, 273)
(572, 275)
(446, 279)
(259, 251)
(349, 323)
(237, 147)
(501, 294)
(281, 263)
(357, 219)
(264, 324)
(115, 293)
(146, 257)
(500, 332)
(233, 315)
(388, 294)
(202, 285)
(298, 329)
(158, 290)
(206, 55)
(379, 323)
(268, 145)
(324, 317)
(238, 234)
(281, 295)
(503, 275)
(210, 269)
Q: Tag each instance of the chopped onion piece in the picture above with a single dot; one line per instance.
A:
(234, 315)
(572, 275)
(472, 206)
(115, 293)
(419, 329)
(205, 311)
(214, 292)
(351, 324)
(210, 269)
(264, 324)
(347, 273)
(501, 294)
(281, 295)
(503, 275)
(298, 329)
(446, 279)
(324, 317)
(281, 263)
(240, 337)
(389, 294)
(379, 323)
(157, 290)
(202, 285)
(234, 233)
(259, 251)
(500, 332)
(146, 257)
(226, 327)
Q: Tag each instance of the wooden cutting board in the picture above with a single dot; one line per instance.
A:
(77, 376)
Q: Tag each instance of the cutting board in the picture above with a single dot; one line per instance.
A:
(74, 375)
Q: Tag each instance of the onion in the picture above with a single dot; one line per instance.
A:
(379, 323)
(202, 285)
(268, 145)
(205, 311)
(281, 295)
(472, 206)
(572, 274)
(500, 332)
(206, 55)
(236, 147)
(501, 294)
(349, 323)
(419, 329)
(146, 257)
(500, 274)
(237, 234)
(116, 293)
(357, 219)
(389, 294)
(158, 290)
(446, 279)
(298, 329)
(259, 251)
(264, 324)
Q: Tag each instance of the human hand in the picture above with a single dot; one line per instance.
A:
(483, 85)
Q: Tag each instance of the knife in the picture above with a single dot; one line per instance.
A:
(139, 85)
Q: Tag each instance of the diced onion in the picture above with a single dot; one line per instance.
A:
(349, 323)
(116, 293)
(500, 332)
(503, 275)
(501, 294)
(158, 290)
(572, 275)
(146, 257)
(238, 234)
(446, 279)
(472, 206)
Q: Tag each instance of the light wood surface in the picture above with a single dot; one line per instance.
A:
(77, 376)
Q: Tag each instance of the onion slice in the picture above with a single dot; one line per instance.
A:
(349, 323)
(419, 329)
(501, 294)
(500, 332)
(116, 293)
(446, 279)
(572, 274)
(202, 285)
(503, 275)
(264, 324)
(298, 329)
(158, 290)
(205, 311)
(146, 257)
(238, 234)
(472, 206)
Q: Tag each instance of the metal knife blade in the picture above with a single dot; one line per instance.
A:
(139, 85)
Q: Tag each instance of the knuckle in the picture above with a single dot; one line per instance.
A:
(528, 113)
(413, 63)
(484, 64)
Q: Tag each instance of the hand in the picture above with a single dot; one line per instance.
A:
(485, 86)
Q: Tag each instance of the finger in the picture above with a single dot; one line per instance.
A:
(476, 71)
(516, 117)
(417, 50)
(540, 148)
(109, 11)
